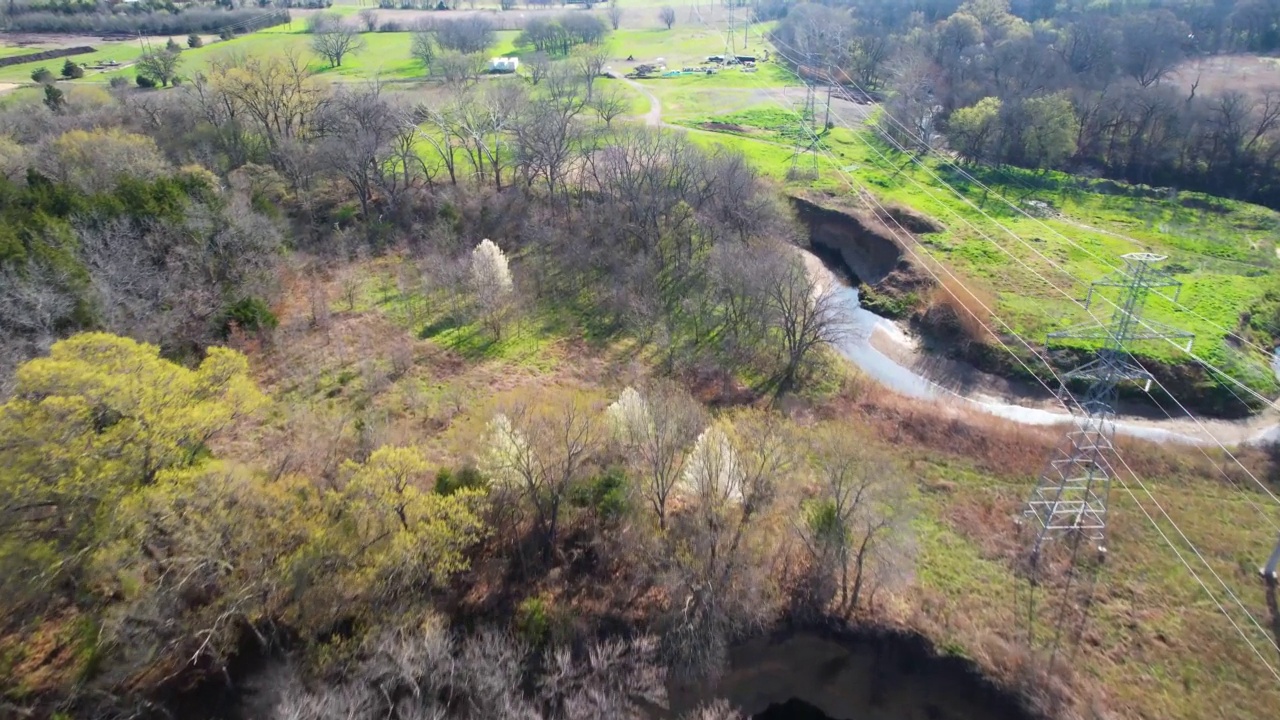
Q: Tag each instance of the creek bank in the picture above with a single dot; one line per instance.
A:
(843, 673)
(864, 248)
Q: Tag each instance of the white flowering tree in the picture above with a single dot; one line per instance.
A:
(713, 475)
(727, 483)
(629, 418)
(656, 432)
(491, 283)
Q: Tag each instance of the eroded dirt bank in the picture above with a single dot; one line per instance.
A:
(865, 248)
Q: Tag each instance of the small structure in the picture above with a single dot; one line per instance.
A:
(504, 64)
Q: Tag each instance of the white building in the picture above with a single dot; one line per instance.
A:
(503, 64)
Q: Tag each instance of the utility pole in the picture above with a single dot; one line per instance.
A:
(1071, 494)
(732, 36)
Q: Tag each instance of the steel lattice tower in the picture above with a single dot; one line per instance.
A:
(1071, 494)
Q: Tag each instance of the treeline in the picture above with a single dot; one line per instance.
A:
(1093, 92)
(159, 22)
(121, 503)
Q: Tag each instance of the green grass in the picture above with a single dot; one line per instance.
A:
(1225, 257)
(122, 52)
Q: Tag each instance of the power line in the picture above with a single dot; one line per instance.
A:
(1150, 519)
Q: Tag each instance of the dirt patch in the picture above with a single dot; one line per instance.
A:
(725, 127)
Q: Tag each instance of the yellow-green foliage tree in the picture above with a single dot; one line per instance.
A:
(98, 419)
(193, 559)
(390, 537)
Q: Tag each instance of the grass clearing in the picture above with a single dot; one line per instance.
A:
(1224, 252)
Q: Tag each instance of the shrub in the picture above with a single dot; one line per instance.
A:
(118, 82)
(533, 622)
(194, 41)
(42, 75)
(467, 477)
(145, 82)
(605, 495)
(71, 70)
(391, 26)
(250, 313)
(172, 46)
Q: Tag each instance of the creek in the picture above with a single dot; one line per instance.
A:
(857, 347)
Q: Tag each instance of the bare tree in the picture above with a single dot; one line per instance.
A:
(714, 710)
(615, 14)
(369, 18)
(459, 71)
(854, 524)
(369, 139)
(805, 311)
(466, 35)
(667, 15)
(423, 48)
(538, 65)
(336, 42)
(719, 583)
(610, 103)
(546, 135)
(590, 65)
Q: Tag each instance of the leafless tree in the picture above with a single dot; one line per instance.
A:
(369, 18)
(458, 71)
(423, 48)
(613, 678)
(615, 14)
(467, 35)
(336, 42)
(667, 15)
(547, 137)
(609, 104)
(482, 123)
(34, 303)
(538, 64)
(804, 311)
(370, 143)
(719, 584)
(590, 64)
(441, 136)
(714, 710)
(658, 441)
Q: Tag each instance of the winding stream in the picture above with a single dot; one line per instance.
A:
(858, 349)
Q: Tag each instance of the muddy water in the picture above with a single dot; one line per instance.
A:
(819, 676)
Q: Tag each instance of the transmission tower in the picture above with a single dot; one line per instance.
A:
(806, 139)
(1071, 494)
